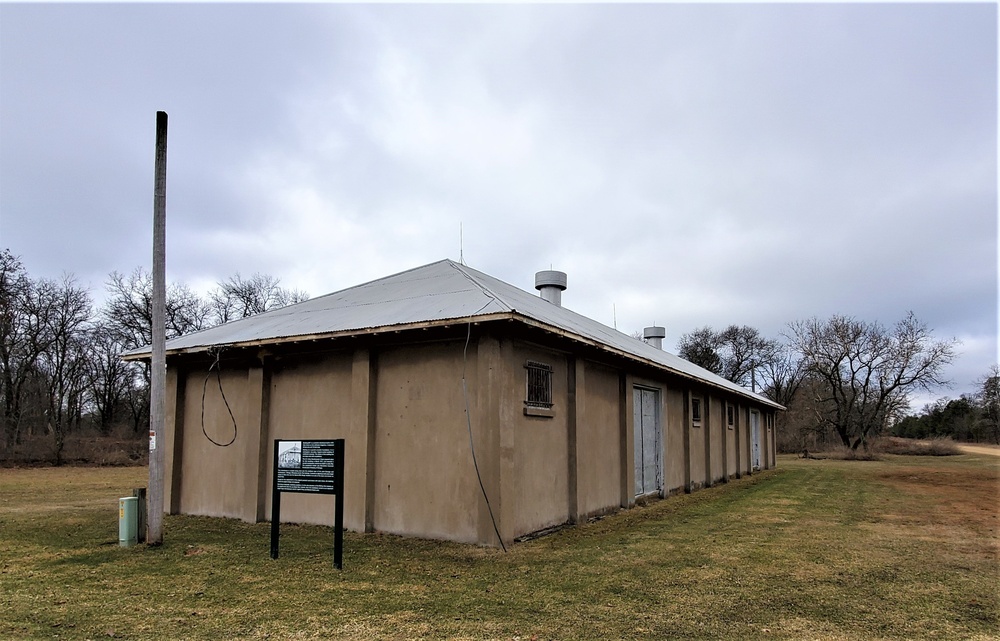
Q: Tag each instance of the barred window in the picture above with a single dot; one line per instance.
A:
(695, 410)
(539, 385)
(731, 415)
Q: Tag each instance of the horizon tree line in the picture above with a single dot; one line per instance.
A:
(842, 380)
(60, 355)
(846, 381)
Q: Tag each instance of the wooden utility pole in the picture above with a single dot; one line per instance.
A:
(158, 381)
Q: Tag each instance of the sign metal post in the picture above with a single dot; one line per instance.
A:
(309, 467)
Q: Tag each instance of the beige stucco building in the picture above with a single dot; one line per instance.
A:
(468, 407)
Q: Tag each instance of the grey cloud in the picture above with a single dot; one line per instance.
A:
(688, 164)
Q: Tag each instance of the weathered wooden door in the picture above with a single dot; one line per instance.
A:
(755, 440)
(648, 444)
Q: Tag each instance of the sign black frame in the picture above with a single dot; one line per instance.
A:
(318, 468)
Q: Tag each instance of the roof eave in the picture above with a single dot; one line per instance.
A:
(634, 357)
(145, 354)
(474, 319)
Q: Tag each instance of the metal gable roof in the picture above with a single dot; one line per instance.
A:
(438, 292)
(537, 308)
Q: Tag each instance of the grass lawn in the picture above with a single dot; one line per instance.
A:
(905, 548)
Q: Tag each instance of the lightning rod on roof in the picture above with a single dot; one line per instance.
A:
(461, 244)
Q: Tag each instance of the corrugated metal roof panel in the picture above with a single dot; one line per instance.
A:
(434, 292)
(440, 291)
(574, 323)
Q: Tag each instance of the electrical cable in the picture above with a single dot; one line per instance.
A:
(204, 388)
(468, 420)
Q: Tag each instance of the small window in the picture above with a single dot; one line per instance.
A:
(730, 416)
(695, 410)
(539, 385)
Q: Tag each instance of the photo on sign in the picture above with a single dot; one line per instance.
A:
(290, 455)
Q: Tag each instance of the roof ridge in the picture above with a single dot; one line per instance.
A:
(476, 281)
(373, 281)
(289, 309)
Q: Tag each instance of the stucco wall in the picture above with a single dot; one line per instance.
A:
(675, 422)
(697, 443)
(768, 419)
(175, 388)
(311, 400)
(714, 430)
(730, 439)
(745, 460)
(216, 480)
(538, 484)
(425, 482)
(401, 411)
(598, 441)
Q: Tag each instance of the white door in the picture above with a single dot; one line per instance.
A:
(648, 457)
(755, 440)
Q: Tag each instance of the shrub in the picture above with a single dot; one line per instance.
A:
(82, 448)
(938, 446)
(841, 453)
(844, 453)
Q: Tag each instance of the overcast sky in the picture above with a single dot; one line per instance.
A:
(686, 165)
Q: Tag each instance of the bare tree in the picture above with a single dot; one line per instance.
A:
(128, 316)
(738, 353)
(108, 377)
(60, 364)
(701, 347)
(24, 336)
(238, 297)
(744, 353)
(988, 399)
(781, 376)
(63, 362)
(866, 371)
(129, 309)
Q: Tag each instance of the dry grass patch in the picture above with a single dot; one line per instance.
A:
(967, 496)
(965, 521)
(941, 446)
(815, 550)
(877, 449)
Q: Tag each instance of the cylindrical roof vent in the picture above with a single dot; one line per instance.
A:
(550, 285)
(654, 335)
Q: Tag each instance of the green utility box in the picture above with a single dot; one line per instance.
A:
(128, 521)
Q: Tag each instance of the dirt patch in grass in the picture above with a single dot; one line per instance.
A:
(965, 496)
(988, 450)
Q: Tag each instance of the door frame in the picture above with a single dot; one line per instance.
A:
(638, 428)
(755, 444)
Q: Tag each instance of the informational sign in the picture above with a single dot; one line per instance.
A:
(309, 467)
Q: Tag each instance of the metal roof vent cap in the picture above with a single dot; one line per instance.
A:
(550, 285)
(654, 335)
